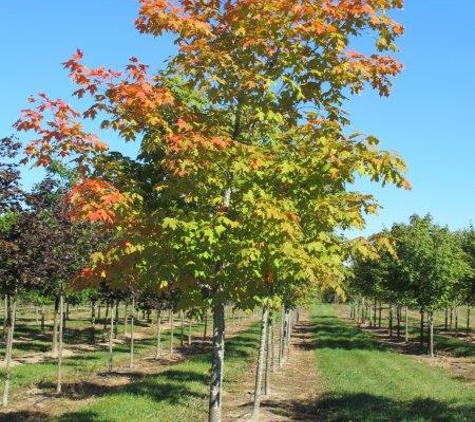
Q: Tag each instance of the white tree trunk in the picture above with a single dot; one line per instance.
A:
(60, 345)
(217, 366)
(260, 364)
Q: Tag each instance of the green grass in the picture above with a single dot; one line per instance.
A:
(178, 394)
(83, 364)
(367, 382)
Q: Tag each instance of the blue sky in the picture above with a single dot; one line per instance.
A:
(429, 118)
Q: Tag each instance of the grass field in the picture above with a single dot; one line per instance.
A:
(364, 381)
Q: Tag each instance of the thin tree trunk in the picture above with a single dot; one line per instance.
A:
(282, 339)
(107, 316)
(217, 367)
(446, 322)
(132, 321)
(182, 333)
(272, 340)
(468, 320)
(10, 310)
(260, 364)
(5, 316)
(190, 328)
(390, 320)
(93, 321)
(111, 344)
(205, 331)
(116, 321)
(42, 319)
(268, 354)
(126, 318)
(398, 315)
(171, 331)
(421, 337)
(431, 334)
(406, 334)
(456, 321)
(60, 345)
(54, 346)
(451, 315)
(157, 353)
(380, 312)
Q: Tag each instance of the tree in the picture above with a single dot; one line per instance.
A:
(244, 151)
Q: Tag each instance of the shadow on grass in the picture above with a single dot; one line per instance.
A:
(370, 408)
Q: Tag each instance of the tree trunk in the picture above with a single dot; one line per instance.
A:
(217, 367)
(182, 333)
(171, 331)
(431, 334)
(451, 315)
(272, 340)
(10, 311)
(268, 354)
(93, 321)
(42, 319)
(205, 331)
(116, 319)
(282, 339)
(260, 364)
(157, 353)
(446, 322)
(390, 320)
(60, 345)
(468, 320)
(190, 328)
(380, 312)
(111, 344)
(398, 315)
(132, 321)
(107, 316)
(126, 318)
(456, 321)
(54, 346)
(421, 337)
(5, 317)
(406, 334)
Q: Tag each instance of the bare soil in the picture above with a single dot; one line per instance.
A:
(294, 388)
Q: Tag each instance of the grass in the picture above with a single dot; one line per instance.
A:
(179, 393)
(83, 364)
(365, 381)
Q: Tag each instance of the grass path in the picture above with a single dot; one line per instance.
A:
(364, 381)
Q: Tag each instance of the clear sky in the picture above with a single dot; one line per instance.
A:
(429, 119)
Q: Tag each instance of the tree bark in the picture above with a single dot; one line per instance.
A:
(390, 320)
(260, 364)
(421, 337)
(268, 354)
(157, 353)
(132, 320)
(116, 321)
(398, 315)
(446, 322)
(171, 331)
(42, 319)
(380, 312)
(111, 344)
(126, 318)
(468, 320)
(272, 340)
(217, 367)
(431, 334)
(456, 321)
(60, 345)
(182, 333)
(54, 346)
(107, 315)
(282, 339)
(190, 328)
(10, 310)
(205, 331)
(406, 334)
(93, 321)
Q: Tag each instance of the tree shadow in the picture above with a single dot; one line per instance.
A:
(369, 408)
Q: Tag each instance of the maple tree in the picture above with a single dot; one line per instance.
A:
(245, 157)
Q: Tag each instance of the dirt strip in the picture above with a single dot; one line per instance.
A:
(293, 389)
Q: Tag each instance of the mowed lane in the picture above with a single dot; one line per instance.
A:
(364, 381)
